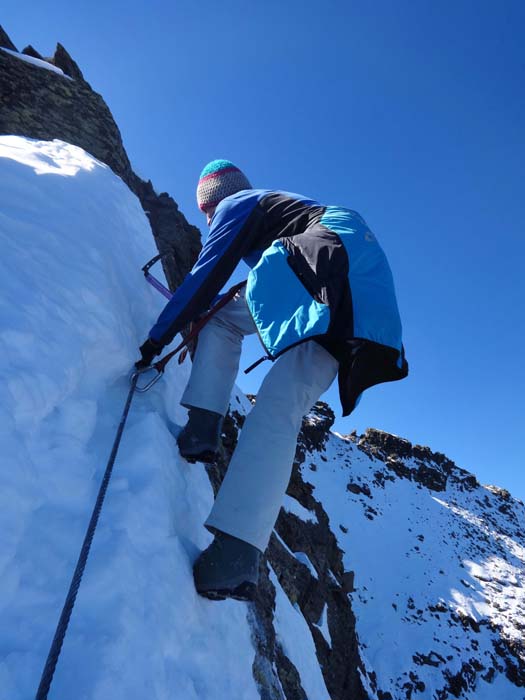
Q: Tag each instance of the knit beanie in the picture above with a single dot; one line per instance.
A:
(218, 180)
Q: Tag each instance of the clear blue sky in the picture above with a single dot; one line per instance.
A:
(413, 113)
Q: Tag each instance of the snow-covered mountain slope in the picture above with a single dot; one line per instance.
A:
(439, 562)
(74, 308)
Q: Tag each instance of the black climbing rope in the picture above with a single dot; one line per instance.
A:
(159, 367)
(56, 646)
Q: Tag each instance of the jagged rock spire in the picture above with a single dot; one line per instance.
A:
(31, 51)
(63, 60)
(5, 41)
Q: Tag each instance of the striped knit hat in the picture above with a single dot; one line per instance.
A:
(218, 180)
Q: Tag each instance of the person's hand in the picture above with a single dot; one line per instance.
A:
(148, 350)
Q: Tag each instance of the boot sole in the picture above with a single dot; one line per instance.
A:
(244, 592)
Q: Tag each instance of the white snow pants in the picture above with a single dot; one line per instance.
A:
(251, 494)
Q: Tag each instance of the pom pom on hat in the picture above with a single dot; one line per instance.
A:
(218, 180)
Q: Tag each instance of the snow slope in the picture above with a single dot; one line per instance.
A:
(439, 564)
(74, 307)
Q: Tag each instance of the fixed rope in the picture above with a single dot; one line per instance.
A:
(56, 646)
(63, 622)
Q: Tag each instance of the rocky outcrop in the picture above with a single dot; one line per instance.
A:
(414, 462)
(5, 41)
(30, 51)
(177, 241)
(63, 60)
(45, 105)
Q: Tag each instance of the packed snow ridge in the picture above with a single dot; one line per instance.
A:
(74, 308)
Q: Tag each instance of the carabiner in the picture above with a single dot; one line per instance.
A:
(143, 370)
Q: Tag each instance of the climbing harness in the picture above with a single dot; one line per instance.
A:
(159, 367)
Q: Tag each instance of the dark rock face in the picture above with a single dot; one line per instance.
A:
(176, 240)
(42, 104)
(5, 41)
(430, 469)
(30, 51)
(63, 60)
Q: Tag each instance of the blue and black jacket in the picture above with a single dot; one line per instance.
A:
(317, 273)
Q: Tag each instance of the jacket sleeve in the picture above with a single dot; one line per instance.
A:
(232, 236)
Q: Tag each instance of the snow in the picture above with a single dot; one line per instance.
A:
(293, 506)
(294, 636)
(74, 308)
(322, 624)
(36, 62)
(420, 558)
(499, 689)
(304, 559)
(283, 543)
(301, 557)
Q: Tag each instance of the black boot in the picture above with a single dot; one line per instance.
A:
(200, 439)
(228, 568)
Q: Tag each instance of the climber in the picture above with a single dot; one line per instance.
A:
(320, 295)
